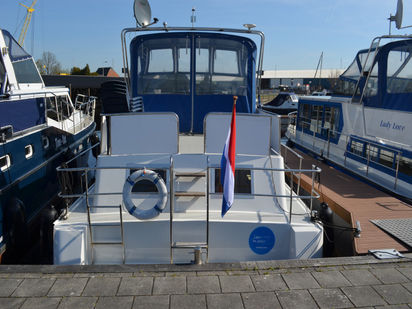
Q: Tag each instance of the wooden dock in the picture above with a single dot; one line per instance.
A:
(354, 200)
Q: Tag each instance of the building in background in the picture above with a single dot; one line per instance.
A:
(303, 80)
(107, 71)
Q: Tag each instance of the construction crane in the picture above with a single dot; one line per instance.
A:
(30, 11)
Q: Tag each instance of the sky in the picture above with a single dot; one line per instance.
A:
(81, 32)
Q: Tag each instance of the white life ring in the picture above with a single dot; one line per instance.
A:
(161, 188)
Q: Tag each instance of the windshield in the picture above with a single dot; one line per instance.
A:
(353, 72)
(23, 64)
(399, 72)
(164, 65)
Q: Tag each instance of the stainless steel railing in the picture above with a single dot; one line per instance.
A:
(67, 174)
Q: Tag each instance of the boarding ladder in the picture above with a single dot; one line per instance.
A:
(191, 182)
(94, 227)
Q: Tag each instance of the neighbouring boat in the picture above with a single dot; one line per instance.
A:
(283, 104)
(157, 197)
(368, 134)
(40, 128)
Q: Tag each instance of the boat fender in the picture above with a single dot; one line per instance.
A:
(94, 139)
(144, 214)
(47, 218)
(326, 215)
(15, 226)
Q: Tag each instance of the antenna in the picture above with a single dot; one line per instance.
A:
(249, 26)
(398, 16)
(193, 17)
(143, 13)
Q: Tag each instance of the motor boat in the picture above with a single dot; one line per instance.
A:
(157, 197)
(283, 103)
(40, 128)
(367, 134)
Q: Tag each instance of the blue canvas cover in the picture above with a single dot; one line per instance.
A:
(193, 74)
(390, 81)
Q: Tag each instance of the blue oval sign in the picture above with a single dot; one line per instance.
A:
(262, 240)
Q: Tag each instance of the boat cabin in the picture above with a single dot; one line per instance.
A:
(383, 75)
(193, 74)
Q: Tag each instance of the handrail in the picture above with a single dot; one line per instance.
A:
(288, 149)
(87, 193)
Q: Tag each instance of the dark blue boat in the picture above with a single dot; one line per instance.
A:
(40, 127)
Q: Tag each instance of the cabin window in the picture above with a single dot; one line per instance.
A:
(221, 68)
(163, 66)
(372, 152)
(146, 186)
(161, 60)
(331, 120)
(46, 142)
(26, 71)
(58, 108)
(386, 158)
(399, 71)
(5, 163)
(371, 88)
(316, 118)
(183, 55)
(405, 166)
(242, 181)
(28, 151)
(202, 60)
(304, 116)
(23, 64)
(226, 62)
(356, 148)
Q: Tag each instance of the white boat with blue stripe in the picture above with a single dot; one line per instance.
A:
(369, 133)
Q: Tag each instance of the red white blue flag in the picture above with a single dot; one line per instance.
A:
(227, 165)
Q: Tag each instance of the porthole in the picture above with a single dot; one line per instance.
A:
(5, 163)
(46, 142)
(29, 151)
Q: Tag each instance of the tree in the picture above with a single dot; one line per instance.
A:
(48, 64)
(78, 71)
(75, 71)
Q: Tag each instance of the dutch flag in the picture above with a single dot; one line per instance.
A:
(227, 165)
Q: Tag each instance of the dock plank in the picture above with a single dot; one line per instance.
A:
(354, 200)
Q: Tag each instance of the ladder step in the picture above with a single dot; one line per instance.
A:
(105, 224)
(107, 243)
(189, 245)
(183, 174)
(195, 194)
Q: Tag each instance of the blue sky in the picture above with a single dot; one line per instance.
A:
(81, 32)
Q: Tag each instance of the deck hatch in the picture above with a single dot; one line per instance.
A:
(398, 228)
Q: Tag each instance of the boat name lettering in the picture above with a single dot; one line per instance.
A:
(392, 125)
